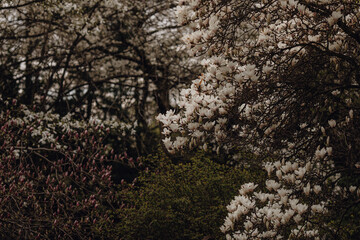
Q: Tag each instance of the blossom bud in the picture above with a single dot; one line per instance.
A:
(307, 189)
(332, 123)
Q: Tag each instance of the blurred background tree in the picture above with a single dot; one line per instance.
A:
(110, 59)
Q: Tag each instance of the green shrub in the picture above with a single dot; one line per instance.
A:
(178, 201)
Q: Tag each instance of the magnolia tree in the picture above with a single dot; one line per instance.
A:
(282, 80)
(55, 174)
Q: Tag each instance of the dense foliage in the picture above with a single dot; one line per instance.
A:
(179, 201)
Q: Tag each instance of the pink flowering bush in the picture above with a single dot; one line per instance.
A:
(55, 177)
(282, 80)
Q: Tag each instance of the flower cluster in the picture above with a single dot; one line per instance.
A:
(291, 206)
